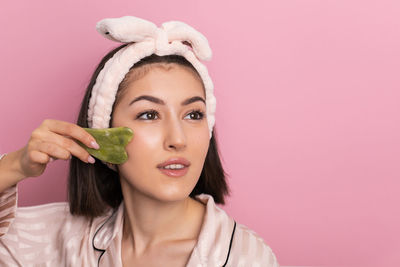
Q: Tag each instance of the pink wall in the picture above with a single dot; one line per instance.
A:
(307, 115)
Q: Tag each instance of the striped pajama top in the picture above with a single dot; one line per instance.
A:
(48, 235)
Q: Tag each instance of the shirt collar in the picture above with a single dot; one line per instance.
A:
(107, 228)
(213, 242)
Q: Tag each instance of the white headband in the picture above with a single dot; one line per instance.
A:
(146, 39)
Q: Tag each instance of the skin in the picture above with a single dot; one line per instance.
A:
(161, 223)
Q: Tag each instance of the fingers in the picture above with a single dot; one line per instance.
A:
(54, 139)
(62, 147)
(58, 139)
(39, 157)
(72, 130)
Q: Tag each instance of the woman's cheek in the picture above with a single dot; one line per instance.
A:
(144, 140)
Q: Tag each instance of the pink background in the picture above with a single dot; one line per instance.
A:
(307, 110)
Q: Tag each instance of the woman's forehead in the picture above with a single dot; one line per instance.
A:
(138, 73)
(178, 80)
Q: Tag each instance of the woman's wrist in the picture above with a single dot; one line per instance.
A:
(10, 171)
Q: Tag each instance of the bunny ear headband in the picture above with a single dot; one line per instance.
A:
(145, 38)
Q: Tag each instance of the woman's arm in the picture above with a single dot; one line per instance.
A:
(52, 139)
(10, 170)
(9, 177)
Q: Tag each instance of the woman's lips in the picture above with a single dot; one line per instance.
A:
(179, 160)
(174, 173)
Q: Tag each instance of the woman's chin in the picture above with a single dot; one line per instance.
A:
(171, 196)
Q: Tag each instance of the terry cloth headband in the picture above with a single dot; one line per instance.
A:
(145, 38)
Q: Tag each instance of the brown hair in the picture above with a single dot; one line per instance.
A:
(94, 188)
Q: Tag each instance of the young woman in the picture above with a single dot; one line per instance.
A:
(141, 212)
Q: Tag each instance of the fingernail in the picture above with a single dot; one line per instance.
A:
(94, 145)
(51, 160)
(91, 159)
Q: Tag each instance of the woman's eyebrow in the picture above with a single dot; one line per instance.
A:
(161, 102)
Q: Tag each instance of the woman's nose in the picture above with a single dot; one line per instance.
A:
(175, 136)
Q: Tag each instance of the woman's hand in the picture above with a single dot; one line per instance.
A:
(53, 140)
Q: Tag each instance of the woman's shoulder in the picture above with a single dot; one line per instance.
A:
(53, 206)
(48, 217)
(249, 246)
(56, 210)
(233, 241)
(36, 218)
(44, 234)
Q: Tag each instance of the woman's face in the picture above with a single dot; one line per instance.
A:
(163, 131)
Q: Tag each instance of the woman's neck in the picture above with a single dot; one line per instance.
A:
(149, 222)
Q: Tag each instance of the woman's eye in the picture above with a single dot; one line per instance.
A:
(196, 115)
(150, 115)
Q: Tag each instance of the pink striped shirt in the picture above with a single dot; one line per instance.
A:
(48, 235)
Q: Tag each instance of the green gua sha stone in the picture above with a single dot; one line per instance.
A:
(112, 142)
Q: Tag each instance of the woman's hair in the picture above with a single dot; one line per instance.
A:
(94, 188)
